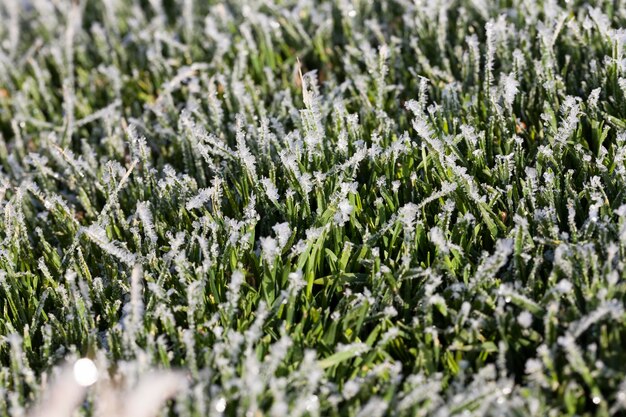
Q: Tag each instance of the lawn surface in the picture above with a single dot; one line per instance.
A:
(348, 207)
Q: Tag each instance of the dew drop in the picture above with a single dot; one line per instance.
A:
(85, 372)
(220, 405)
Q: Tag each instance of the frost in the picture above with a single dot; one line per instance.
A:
(390, 311)
(592, 101)
(98, 235)
(221, 186)
(408, 215)
(564, 286)
(525, 319)
(350, 389)
(437, 237)
(510, 88)
(344, 210)
(375, 407)
(270, 190)
(283, 233)
(145, 215)
(296, 281)
(247, 158)
(270, 250)
(571, 110)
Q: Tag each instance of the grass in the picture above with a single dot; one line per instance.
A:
(315, 207)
